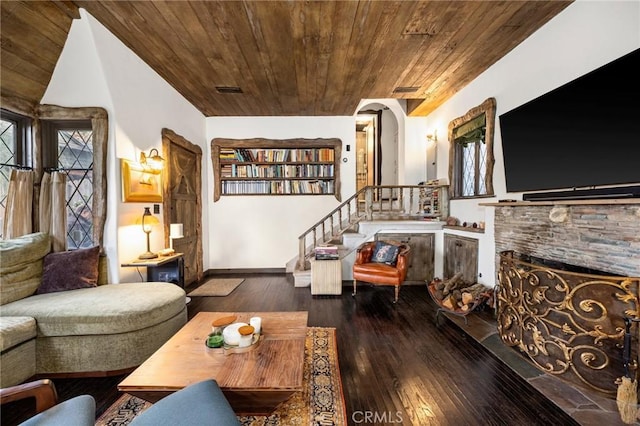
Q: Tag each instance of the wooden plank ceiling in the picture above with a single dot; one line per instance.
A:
(287, 57)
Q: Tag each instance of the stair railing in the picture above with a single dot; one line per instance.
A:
(382, 202)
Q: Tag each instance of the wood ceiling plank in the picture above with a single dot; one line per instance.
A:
(186, 43)
(507, 29)
(18, 37)
(32, 37)
(303, 21)
(271, 28)
(252, 54)
(443, 21)
(18, 85)
(320, 70)
(30, 69)
(68, 7)
(34, 15)
(300, 57)
(453, 69)
(344, 13)
(363, 33)
(390, 51)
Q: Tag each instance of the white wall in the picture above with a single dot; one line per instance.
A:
(262, 231)
(585, 36)
(96, 69)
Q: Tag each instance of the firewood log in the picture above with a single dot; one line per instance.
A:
(451, 283)
(457, 296)
(464, 308)
(447, 303)
(467, 297)
(476, 289)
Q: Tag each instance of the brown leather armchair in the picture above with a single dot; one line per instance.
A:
(381, 273)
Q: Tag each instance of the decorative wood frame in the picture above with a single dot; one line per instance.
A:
(139, 184)
(488, 107)
(100, 124)
(333, 143)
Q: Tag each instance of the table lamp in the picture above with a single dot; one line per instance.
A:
(176, 230)
(147, 221)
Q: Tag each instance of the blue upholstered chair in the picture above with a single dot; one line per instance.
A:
(78, 411)
(200, 404)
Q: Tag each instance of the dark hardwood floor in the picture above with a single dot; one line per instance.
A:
(397, 367)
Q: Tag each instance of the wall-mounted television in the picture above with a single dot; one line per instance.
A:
(584, 134)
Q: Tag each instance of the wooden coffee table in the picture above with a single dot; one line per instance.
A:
(254, 382)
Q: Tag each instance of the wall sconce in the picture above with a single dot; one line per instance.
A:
(176, 230)
(153, 160)
(147, 221)
(433, 137)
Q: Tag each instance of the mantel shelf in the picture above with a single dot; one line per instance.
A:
(612, 201)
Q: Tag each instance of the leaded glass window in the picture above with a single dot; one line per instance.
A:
(13, 149)
(73, 143)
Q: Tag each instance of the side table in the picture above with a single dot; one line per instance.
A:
(326, 276)
(168, 269)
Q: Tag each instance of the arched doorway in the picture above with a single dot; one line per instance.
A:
(376, 146)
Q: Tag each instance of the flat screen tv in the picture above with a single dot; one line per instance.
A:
(584, 134)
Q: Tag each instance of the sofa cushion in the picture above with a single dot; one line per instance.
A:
(21, 265)
(70, 270)
(107, 309)
(15, 330)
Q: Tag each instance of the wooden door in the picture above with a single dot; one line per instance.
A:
(421, 267)
(183, 200)
(461, 255)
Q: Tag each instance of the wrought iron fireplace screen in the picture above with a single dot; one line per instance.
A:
(569, 324)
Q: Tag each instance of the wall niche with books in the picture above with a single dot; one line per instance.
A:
(276, 167)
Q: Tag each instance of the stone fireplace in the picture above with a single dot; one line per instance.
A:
(569, 324)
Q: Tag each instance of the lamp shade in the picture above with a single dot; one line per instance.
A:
(147, 220)
(176, 230)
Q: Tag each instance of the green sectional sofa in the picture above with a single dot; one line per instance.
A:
(87, 331)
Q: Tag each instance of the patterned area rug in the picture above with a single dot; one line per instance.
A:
(217, 287)
(320, 403)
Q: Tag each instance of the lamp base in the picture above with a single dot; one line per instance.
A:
(148, 255)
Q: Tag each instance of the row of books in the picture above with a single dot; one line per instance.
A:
(277, 155)
(278, 187)
(276, 171)
(326, 253)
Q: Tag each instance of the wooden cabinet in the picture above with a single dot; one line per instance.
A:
(422, 245)
(461, 255)
(276, 167)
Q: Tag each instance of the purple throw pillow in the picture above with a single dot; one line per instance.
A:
(70, 270)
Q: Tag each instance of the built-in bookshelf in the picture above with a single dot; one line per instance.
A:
(276, 167)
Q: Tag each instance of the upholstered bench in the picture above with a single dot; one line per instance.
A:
(17, 348)
(105, 328)
(81, 325)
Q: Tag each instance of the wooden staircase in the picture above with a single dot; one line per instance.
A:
(372, 203)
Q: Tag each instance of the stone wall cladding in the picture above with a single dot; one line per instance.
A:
(602, 237)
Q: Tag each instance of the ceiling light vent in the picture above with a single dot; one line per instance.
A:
(406, 89)
(228, 89)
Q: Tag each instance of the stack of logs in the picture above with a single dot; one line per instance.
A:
(456, 295)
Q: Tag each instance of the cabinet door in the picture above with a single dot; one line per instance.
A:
(421, 268)
(461, 255)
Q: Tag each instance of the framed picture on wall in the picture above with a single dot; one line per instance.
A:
(140, 184)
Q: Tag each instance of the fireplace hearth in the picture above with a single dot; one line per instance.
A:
(570, 324)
